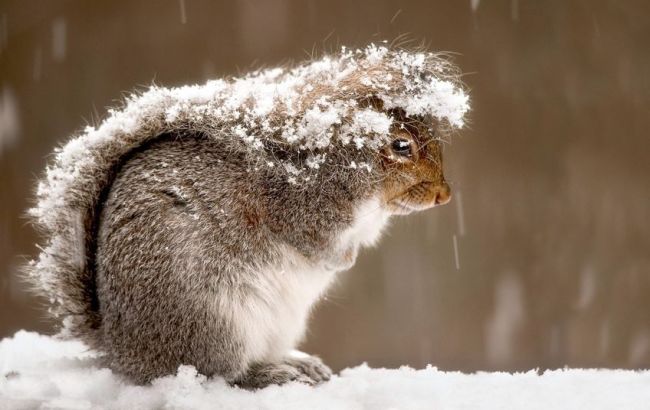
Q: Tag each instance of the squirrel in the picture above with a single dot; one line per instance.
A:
(199, 225)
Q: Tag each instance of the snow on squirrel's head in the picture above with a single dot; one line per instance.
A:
(350, 97)
(396, 104)
(358, 98)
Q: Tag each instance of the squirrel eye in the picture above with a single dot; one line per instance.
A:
(402, 147)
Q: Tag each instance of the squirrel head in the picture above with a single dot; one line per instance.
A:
(377, 111)
(412, 161)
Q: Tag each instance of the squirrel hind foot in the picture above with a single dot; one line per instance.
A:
(305, 369)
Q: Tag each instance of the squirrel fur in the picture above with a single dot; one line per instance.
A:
(199, 225)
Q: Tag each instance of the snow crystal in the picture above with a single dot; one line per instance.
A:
(366, 122)
(366, 166)
(315, 161)
(317, 122)
(42, 372)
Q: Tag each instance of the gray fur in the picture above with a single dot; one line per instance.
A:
(185, 222)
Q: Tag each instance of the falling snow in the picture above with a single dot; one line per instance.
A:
(456, 257)
(9, 121)
(59, 29)
(507, 317)
(182, 8)
(460, 213)
(38, 63)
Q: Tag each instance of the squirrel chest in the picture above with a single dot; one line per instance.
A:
(273, 319)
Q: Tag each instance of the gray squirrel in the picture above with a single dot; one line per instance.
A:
(199, 225)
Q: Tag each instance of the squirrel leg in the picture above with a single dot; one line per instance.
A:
(297, 366)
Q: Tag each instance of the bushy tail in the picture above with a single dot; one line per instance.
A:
(68, 201)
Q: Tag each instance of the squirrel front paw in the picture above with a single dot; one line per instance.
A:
(311, 366)
(296, 367)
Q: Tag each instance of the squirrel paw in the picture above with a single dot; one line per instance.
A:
(311, 366)
(304, 369)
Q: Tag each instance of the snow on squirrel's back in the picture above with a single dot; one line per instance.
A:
(41, 372)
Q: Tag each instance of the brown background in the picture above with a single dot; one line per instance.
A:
(551, 179)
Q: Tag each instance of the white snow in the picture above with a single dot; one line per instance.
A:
(41, 372)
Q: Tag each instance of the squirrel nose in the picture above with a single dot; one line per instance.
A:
(442, 194)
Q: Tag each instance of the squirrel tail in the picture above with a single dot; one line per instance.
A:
(68, 201)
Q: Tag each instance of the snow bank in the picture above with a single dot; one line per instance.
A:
(40, 371)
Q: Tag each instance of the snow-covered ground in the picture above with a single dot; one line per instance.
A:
(41, 372)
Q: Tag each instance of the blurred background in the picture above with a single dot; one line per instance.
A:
(541, 260)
